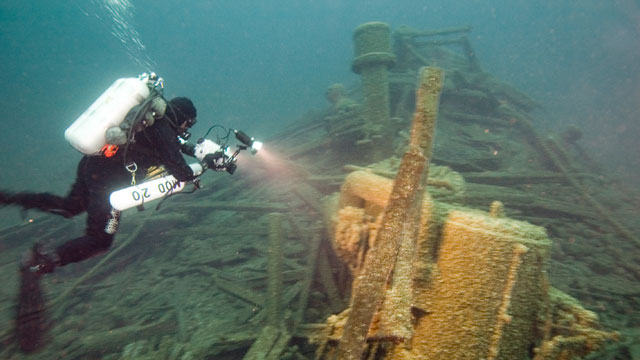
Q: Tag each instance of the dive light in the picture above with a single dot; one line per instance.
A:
(249, 141)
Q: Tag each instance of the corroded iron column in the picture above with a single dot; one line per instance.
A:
(373, 56)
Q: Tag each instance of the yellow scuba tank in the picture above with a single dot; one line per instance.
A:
(154, 172)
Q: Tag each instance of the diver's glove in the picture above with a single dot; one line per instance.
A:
(210, 154)
(216, 161)
(215, 157)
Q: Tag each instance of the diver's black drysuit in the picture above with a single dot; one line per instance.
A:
(97, 177)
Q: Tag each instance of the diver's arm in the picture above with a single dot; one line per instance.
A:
(188, 149)
(166, 144)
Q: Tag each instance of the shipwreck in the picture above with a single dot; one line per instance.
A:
(417, 217)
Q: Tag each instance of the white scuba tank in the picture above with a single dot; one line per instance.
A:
(149, 190)
(87, 133)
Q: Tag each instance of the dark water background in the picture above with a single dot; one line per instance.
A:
(259, 65)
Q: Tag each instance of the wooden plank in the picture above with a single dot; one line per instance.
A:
(240, 292)
(263, 344)
(310, 196)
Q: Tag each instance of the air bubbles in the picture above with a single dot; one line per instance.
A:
(121, 14)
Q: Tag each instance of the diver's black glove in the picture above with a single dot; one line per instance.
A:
(216, 161)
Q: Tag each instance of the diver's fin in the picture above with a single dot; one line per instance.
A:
(30, 320)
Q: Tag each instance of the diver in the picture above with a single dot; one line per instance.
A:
(161, 144)
(98, 176)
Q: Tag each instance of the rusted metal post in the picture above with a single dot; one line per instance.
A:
(373, 56)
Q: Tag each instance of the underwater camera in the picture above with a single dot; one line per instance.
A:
(218, 156)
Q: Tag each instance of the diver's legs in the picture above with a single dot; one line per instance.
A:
(73, 204)
(43, 201)
(31, 321)
(84, 247)
(95, 239)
